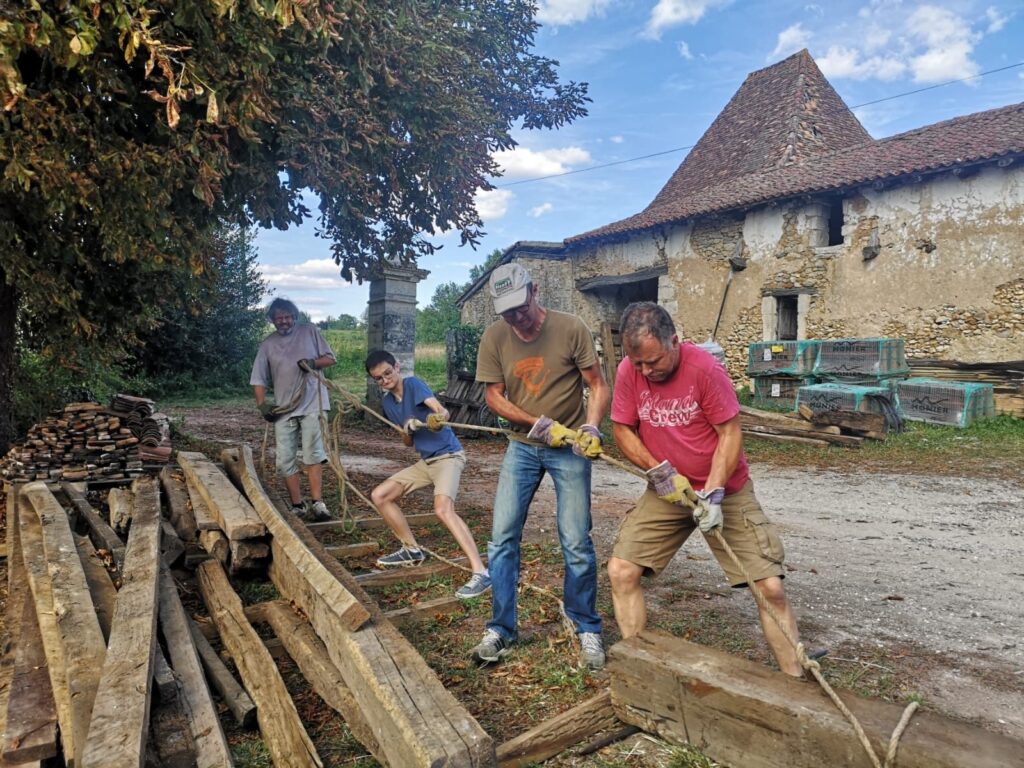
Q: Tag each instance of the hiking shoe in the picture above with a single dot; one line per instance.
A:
(402, 558)
(491, 648)
(318, 512)
(591, 650)
(476, 586)
(299, 510)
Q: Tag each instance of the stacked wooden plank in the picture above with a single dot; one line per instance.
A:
(848, 429)
(464, 397)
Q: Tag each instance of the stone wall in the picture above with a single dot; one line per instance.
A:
(557, 290)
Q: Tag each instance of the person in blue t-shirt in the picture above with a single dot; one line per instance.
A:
(410, 403)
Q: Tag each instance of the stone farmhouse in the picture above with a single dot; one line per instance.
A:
(788, 220)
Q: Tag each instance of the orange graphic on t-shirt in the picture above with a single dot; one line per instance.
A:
(527, 370)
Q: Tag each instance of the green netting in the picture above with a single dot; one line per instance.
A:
(955, 403)
(795, 358)
(861, 357)
(779, 391)
(840, 397)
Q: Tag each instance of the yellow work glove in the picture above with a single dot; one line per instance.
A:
(551, 433)
(588, 442)
(437, 421)
(671, 486)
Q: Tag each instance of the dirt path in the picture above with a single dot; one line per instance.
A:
(919, 576)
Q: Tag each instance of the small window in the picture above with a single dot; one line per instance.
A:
(835, 221)
(786, 315)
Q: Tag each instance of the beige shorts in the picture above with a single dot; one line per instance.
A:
(443, 472)
(654, 530)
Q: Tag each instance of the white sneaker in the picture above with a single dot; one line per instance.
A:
(591, 650)
(319, 512)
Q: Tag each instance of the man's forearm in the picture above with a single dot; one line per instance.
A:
(597, 405)
(628, 441)
(726, 456)
(260, 393)
(501, 406)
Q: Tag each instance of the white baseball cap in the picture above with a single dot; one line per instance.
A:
(509, 286)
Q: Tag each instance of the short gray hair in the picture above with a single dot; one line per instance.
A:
(282, 305)
(645, 318)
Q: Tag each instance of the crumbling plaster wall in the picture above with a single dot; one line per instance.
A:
(557, 290)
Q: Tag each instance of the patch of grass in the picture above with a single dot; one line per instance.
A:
(706, 627)
(351, 350)
(253, 592)
(251, 752)
(689, 757)
(206, 397)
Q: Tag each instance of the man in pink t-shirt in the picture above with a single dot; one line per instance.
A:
(675, 415)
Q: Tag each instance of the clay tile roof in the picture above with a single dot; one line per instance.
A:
(786, 132)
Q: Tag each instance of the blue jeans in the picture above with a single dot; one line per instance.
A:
(521, 472)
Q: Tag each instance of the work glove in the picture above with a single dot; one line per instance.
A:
(588, 442)
(551, 433)
(411, 425)
(437, 421)
(267, 411)
(308, 364)
(708, 513)
(671, 486)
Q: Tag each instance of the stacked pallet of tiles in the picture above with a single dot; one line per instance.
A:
(779, 369)
(1006, 378)
(870, 362)
(952, 403)
(82, 442)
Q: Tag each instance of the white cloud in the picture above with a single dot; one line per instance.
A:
(620, 139)
(523, 163)
(949, 43)
(492, 204)
(540, 210)
(996, 21)
(561, 12)
(314, 274)
(672, 13)
(847, 62)
(684, 50)
(792, 39)
(876, 37)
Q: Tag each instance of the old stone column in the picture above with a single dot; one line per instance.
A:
(391, 318)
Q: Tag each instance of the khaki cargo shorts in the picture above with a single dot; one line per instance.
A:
(443, 472)
(654, 530)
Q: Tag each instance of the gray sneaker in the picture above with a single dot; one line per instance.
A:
(318, 512)
(476, 586)
(591, 650)
(491, 648)
(402, 558)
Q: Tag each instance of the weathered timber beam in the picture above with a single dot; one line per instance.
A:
(847, 441)
(336, 599)
(403, 575)
(27, 708)
(78, 635)
(559, 733)
(308, 652)
(280, 726)
(786, 439)
(739, 712)
(216, 544)
(359, 549)
(103, 536)
(234, 514)
(417, 721)
(428, 609)
(235, 697)
(212, 749)
(120, 715)
(178, 507)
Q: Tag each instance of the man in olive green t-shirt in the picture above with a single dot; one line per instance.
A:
(535, 363)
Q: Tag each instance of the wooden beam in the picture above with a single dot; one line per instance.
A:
(78, 629)
(335, 598)
(212, 749)
(233, 512)
(179, 509)
(559, 733)
(309, 653)
(104, 594)
(417, 721)
(404, 575)
(739, 712)
(205, 521)
(171, 547)
(29, 713)
(234, 696)
(248, 555)
(280, 726)
(359, 549)
(103, 536)
(120, 714)
(216, 544)
(428, 609)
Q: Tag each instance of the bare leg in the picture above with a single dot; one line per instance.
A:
(627, 596)
(294, 485)
(315, 474)
(384, 497)
(784, 653)
(444, 508)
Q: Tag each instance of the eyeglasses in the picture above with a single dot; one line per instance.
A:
(522, 309)
(384, 375)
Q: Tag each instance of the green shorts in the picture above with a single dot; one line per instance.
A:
(654, 530)
(443, 472)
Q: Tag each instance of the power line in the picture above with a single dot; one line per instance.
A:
(691, 146)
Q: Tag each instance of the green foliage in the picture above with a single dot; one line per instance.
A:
(210, 325)
(339, 323)
(463, 342)
(433, 322)
(479, 270)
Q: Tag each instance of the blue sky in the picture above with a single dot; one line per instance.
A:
(660, 71)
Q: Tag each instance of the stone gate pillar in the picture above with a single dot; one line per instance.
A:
(391, 318)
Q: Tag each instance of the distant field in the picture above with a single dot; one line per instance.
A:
(350, 349)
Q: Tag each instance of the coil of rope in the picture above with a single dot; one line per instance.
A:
(807, 663)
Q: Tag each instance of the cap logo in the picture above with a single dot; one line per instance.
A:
(503, 286)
